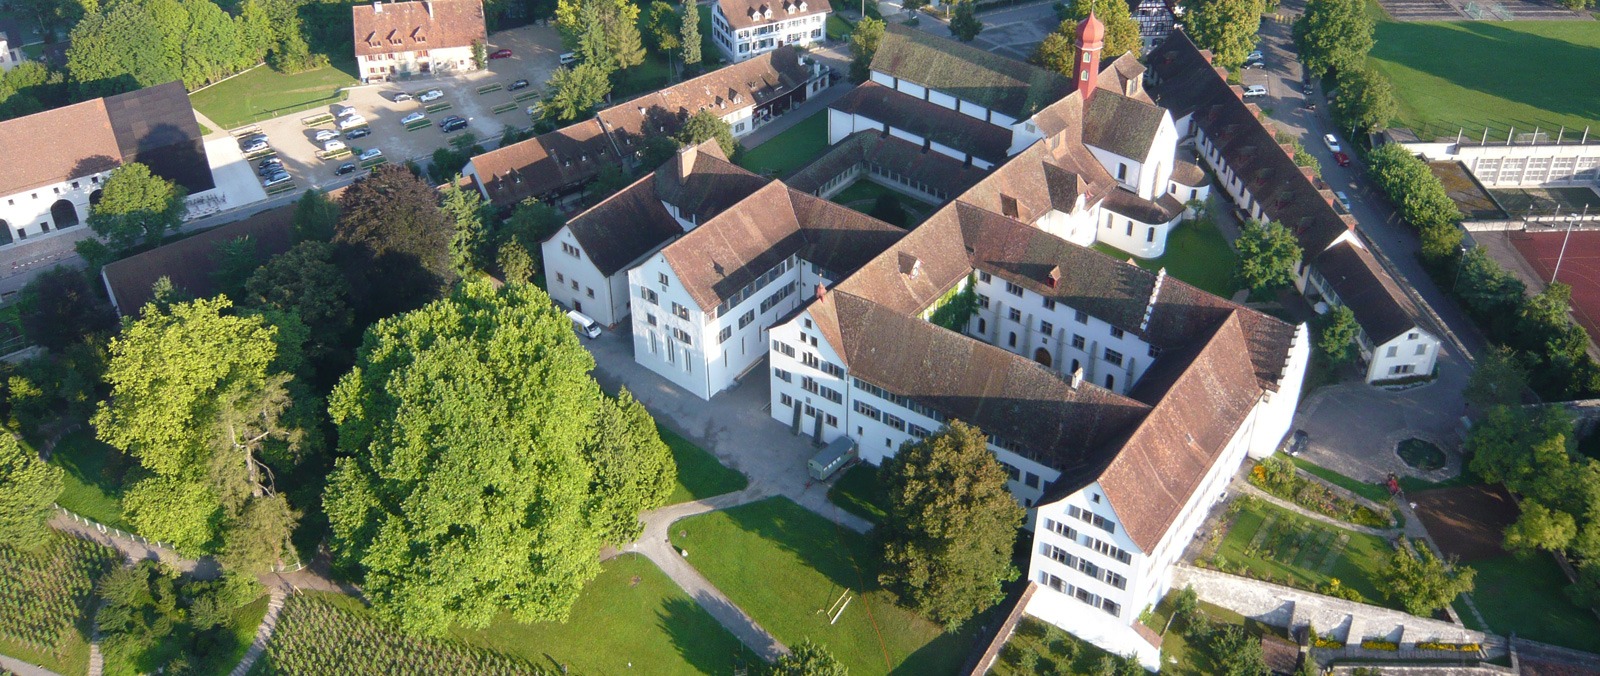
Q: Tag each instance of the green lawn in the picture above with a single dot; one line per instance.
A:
(92, 485)
(1180, 657)
(1374, 492)
(856, 491)
(700, 474)
(265, 93)
(1528, 597)
(1196, 253)
(241, 633)
(785, 566)
(1280, 546)
(790, 150)
(632, 616)
(646, 77)
(863, 196)
(1487, 73)
(839, 28)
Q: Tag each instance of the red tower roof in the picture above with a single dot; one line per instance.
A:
(1091, 33)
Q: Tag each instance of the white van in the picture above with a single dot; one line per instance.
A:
(1255, 91)
(584, 325)
(332, 146)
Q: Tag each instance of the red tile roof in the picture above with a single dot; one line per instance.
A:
(747, 13)
(385, 28)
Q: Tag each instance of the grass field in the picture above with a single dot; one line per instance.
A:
(1279, 546)
(790, 150)
(241, 633)
(1499, 74)
(1528, 597)
(1370, 491)
(632, 616)
(92, 486)
(1196, 253)
(863, 196)
(700, 474)
(856, 491)
(264, 93)
(785, 566)
(44, 597)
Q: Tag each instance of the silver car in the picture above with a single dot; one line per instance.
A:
(431, 95)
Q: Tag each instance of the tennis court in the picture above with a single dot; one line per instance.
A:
(1580, 268)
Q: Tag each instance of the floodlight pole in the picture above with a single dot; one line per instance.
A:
(1564, 241)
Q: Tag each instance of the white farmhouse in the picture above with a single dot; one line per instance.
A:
(56, 161)
(400, 39)
(1259, 176)
(746, 28)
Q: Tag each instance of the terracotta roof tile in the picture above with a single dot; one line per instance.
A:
(1121, 125)
(928, 120)
(562, 159)
(1380, 306)
(746, 13)
(935, 170)
(721, 91)
(1011, 87)
(383, 28)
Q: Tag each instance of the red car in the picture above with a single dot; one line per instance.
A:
(1342, 159)
(501, 54)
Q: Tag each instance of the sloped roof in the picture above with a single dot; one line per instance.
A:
(721, 91)
(545, 163)
(963, 378)
(746, 13)
(388, 27)
(1121, 125)
(712, 185)
(1380, 306)
(935, 170)
(968, 73)
(729, 251)
(190, 262)
(928, 120)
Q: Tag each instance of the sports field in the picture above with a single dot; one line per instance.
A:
(1495, 74)
(1580, 268)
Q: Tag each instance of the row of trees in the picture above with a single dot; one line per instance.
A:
(1334, 36)
(605, 36)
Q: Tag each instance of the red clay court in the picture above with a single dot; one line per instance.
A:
(1580, 269)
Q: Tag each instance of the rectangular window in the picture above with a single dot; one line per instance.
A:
(1061, 529)
(588, 291)
(1047, 329)
(833, 369)
(749, 316)
(1013, 472)
(1014, 289)
(1150, 235)
(1393, 349)
(983, 301)
(1049, 304)
(808, 384)
(1014, 315)
(785, 400)
(724, 334)
(1081, 316)
(832, 395)
(560, 278)
(983, 277)
(869, 411)
(1111, 607)
(1116, 332)
(1077, 341)
(682, 336)
(649, 295)
(894, 422)
(1031, 479)
(570, 250)
(1114, 357)
(783, 375)
(680, 311)
(662, 277)
(1122, 172)
(832, 421)
(1422, 349)
(651, 319)
(811, 360)
(1116, 580)
(918, 432)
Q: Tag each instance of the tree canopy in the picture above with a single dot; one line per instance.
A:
(1498, 379)
(1226, 27)
(393, 242)
(57, 308)
(136, 206)
(964, 22)
(469, 485)
(1364, 100)
(28, 489)
(1336, 339)
(573, 92)
(1408, 183)
(633, 468)
(863, 46)
(807, 658)
(704, 126)
(1333, 35)
(690, 35)
(314, 217)
(305, 283)
(1122, 32)
(1268, 254)
(1422, 582)
(950, 527)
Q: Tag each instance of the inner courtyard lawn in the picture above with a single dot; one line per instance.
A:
(631, 617)
(786, 566)
(1527, 596)
(1197, 253)
(264, 93)
(857, 491)
(700, 474)
(1271, 543)
(791, 149)
(1499, 74)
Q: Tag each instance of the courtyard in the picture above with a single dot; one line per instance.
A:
(1266, 542)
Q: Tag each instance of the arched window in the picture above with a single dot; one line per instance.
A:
(1111, 381)
(64, 214)
(5, 232)
(1042, 356)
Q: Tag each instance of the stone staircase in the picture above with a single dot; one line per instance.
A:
(263, 633)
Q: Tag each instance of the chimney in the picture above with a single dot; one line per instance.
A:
(1091, 39)
(686, 157)
(1077, 377)
(429, 5)
(822, 292)
(377, 7)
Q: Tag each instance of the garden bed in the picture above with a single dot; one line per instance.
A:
(489, 88)
(419, 124)
(1267, 542)
(504, 108)
(1276, 476)
(315, 120)
(437, 107)
(281, 188)
(525, 96)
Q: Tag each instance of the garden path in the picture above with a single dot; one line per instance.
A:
(1415, 530)
(135, 550)
(1297, 509)
(22, 668)
(263, 631)
(656, 546)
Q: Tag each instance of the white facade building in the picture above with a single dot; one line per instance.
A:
(747, 28)
(397, 40)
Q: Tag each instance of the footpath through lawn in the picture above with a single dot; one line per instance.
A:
(786, 567)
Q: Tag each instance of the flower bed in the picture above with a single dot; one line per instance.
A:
(1276, 476)
(1331, 644)
(1452, 647)
(1372, 644)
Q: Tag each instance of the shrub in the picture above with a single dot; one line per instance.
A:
(1453, 647)
(1329, 643)
(1276, 475)
(1375, 644)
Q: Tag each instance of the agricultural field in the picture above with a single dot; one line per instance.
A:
(322, 633)
(44, 601)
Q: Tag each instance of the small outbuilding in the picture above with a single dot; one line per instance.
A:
(833, 457)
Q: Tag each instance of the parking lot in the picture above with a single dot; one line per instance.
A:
(535, 51)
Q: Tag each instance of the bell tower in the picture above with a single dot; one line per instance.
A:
(1091, 39)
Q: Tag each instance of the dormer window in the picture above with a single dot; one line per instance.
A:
(1008, 206)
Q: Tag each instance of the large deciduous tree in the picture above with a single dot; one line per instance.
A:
(314, 217)
(1268, 253)
(1422, 582)
(28, 489)
(951, 525)
(964, 22)
(1364, 100)
(193, 398)
(1122, 32)
(57, 308)
(1336, 337)
(136, 206)
(393, 242)
(573, 92)
(469, 486)
(704, 126)
(1408, 183)
(1497, 380)
(633, 468)
(807, 658)
(1333, 35)
(305, 283)
(863, 46)
(1226, 27)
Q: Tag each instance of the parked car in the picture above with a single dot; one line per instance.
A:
(1341, 159)
(1307, 89)
(333, 146)
(1332, 142)
(402, 97)
(255, 146)
(412, 117)
(346, 168)
(500, 54)
(276, 179)
(370, 153)
(247, 139)
(1343, 200)
(519, 84)
(354, 134)
(344, 111)
(352, 122)
(326, 135)
(1254, 55)
(452, 123)
(431, 95)
(1255, 91)
(1299, 443)
(569, 58)
(270, 162)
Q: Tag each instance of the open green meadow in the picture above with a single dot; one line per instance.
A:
(264, 93)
